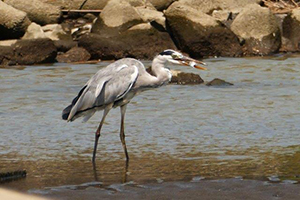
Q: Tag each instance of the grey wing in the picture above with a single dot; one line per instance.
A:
(105, 87)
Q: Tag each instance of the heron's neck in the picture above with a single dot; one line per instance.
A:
(160, 71)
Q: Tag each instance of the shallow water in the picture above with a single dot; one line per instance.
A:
(249, 130)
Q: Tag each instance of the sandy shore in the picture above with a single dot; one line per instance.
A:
(202, 189)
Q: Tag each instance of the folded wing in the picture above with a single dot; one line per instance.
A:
(108, 85)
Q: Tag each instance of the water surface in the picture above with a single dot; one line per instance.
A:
(250, 130)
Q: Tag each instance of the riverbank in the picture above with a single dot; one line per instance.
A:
(221, 189)
(206, 189)
(47, 33)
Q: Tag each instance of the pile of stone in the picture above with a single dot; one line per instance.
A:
(37, 31)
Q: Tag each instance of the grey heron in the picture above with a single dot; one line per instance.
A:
(115, 85)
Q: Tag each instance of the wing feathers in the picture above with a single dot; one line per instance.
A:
(105, 87)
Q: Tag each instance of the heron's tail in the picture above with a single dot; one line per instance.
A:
(66, 112)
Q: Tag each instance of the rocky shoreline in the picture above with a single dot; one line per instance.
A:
(48, 31)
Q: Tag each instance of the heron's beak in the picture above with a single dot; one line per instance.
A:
(192, 63)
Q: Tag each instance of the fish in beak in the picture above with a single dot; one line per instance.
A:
(192, 62)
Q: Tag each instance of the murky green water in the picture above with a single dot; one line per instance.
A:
(251, 129)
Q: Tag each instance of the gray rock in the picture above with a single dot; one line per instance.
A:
(37, 11)
(199, 34)
(259, 28)
(34, 31)
(117, 16)
(145, 42)
(102, 47)
(76, 54)
(291, 30)
(182, 78)
(141, 41)
(218, 82)
(28, 52)
(13, 22)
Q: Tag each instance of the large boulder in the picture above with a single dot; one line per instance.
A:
(144, 41)
(141, 41)
(102, 47)
(34, 51)
(291, 31)
(116, 17)
(199, 34)
(13, 22)
(259, 28)
(37, 11)
(123, 29)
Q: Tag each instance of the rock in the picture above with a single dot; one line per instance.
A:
(199, 34)
(144, 41)
(34, 51)
(208, 6)
(34, 31)
(37, 11)
(218, 82)
(56, 32)
(155, 17)
(76, 54)
(51, 31)
(141, 41)
(102, 48)
(290, 31)
(141, 3)
(6, 55)
(64, 45)
(259, 28)
(221, 15)
(62, 40)
(76, 4)
(117, 16)
(13, 22)
(182, 78)
(161, 4)
(7, 43)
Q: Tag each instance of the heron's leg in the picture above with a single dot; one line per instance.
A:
(97, 135)
(122, 134)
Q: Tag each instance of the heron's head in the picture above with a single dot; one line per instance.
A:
(179, 59)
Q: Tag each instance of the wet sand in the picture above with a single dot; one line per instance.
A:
(204, 189)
